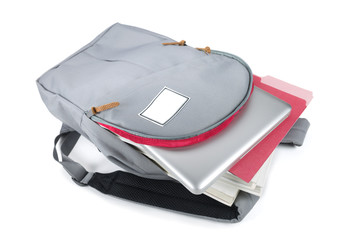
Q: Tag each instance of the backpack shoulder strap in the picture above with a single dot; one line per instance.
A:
(166, 194)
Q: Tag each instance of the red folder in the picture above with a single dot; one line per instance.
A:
(299, 98)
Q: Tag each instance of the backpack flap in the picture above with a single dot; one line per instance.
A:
(133, 83)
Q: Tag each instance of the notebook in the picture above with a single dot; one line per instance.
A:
(227, 187)
(298, 98)
(198, 166)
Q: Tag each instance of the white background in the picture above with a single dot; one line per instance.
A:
(312, 192)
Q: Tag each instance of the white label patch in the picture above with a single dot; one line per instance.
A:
(164, 106)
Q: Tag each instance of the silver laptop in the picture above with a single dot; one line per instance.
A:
(199, 166)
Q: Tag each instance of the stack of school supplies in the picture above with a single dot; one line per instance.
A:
(250, 170)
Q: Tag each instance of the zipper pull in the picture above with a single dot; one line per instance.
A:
(207, 50)
(95, 110)
(181, 43)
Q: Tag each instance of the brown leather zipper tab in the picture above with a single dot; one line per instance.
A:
(206, 50)
(181, 43)
(104, 107)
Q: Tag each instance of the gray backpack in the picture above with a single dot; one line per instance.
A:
(152, 90)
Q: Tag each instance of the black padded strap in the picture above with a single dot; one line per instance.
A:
(161, 193)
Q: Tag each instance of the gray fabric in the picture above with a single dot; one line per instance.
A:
(297, 133)
(120, 152)
(116, 151)
(74, 169)
(87, 178)
(131, 66)
(245, 202)
(59, 92)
